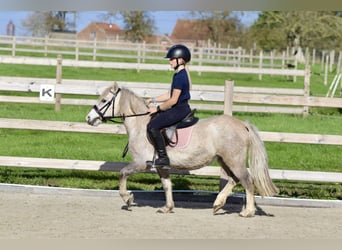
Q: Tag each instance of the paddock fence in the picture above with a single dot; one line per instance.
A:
(200, 93)
(93, 50)
(117, 49)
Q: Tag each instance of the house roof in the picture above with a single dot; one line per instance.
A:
(187, 29)
(108, 28)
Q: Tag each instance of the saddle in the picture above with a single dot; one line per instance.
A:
(169, 132)
(172, 132)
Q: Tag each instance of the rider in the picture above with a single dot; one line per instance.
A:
(174, 104)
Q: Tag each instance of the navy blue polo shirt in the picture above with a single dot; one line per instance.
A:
(181, 81)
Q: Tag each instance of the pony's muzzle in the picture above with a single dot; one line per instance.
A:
(93, 119)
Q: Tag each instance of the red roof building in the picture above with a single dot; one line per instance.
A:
(190, 32)
(100, 31)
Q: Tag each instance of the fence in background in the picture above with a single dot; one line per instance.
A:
(207, 98)
(95, 87)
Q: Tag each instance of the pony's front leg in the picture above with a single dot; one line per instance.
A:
(124, 174)
(167, 186)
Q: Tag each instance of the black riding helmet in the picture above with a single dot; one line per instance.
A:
(179, 51)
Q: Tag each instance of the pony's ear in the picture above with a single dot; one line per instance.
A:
(115, 87)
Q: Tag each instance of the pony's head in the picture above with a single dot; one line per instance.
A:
(107, 106)
(115, 102)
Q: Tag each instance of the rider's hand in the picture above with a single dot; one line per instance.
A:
(152, 109)
(148, 101)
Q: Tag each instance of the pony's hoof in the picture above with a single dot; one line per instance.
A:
(164, 210)
(216, 208)
(127, 208)
(247, 214)
(130, 200)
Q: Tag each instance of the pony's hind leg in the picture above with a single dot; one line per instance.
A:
(221, 198)
(246, 181)
(237, 173)
(167, 186)
(249, 210)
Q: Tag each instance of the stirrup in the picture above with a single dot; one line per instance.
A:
(151, 165)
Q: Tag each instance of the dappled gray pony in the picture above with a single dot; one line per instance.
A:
(232, 142)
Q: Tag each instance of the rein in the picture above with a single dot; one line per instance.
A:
(101, 112)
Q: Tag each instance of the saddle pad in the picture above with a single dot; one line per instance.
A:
(184, 136)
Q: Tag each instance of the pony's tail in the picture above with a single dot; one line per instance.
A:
(258, 164)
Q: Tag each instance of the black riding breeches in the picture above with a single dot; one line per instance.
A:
(169, 117)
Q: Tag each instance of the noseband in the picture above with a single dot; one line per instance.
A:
(102, 111)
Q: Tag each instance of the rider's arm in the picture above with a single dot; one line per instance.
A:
(161, 98)
(166, 104)
(171, 101)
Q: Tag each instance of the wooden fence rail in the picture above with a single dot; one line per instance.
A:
(49, 163)
(149, 66)
(199, 93)
(64, 126)
(139, 52)
(265, 99)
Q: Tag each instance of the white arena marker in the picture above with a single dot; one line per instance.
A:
(47, 93)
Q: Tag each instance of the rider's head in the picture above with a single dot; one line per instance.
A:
(179, 52)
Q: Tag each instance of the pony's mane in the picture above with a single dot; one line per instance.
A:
(135, 102)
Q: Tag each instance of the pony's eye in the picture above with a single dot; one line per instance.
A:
(103, 101)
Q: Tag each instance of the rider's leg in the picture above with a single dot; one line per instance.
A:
(159, 145)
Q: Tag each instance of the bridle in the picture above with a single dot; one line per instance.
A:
(102, 111)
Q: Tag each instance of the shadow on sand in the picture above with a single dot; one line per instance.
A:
(193, 200)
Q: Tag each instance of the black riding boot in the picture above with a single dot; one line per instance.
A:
(159, 145)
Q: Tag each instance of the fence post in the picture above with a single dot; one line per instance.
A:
(296, 67)
(322, 60)
(283, 56)
(139, 57)
(228, 110)
(143, 51)
(77, 50)
(339, 63)
(13, 45)
(313, 56)
(228, 97)
(200, 60)
(45, 45)
(251, 57)
(306, 86)
(260, 65)
(58, 81)
(332, 59)
(94, 49)
(326, 70)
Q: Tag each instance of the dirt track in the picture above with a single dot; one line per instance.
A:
(74, 216)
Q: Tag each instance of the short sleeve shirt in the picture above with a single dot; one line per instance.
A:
(181, 81)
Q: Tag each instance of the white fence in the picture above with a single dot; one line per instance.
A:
(204, 93)
(139, 52)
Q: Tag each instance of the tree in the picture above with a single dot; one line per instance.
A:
(268, 31)
(62, 21)
(312, 29)
(41, 23)
(224, 28)
(35, 23)
(137, 24)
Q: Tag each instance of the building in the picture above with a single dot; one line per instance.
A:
(100, 31)
(190, 32)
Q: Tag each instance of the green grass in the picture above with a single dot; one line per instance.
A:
(88, 146)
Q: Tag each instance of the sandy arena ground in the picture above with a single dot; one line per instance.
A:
(29, 215)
